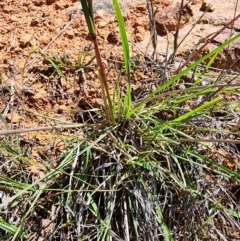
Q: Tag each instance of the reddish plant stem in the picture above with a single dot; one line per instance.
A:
(102, 76)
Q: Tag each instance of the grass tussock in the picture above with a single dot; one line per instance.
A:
(157, 163)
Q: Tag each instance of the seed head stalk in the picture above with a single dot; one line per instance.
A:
(88, 13)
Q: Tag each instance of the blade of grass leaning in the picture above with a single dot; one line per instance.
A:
(10, 228)
(197, 110)
(9, 149)
(220, 169)
(214, 209)
(178, 76)
(126, 55)
(208, 65)
(232, 213)
(177, 162)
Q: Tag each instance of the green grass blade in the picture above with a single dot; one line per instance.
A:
(124, 40)
(10, 228)
(8, 148)
(232, 213)
(220, 169)
(88, 16)
(197, 110)
(126, 55)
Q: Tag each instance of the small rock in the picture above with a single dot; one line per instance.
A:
(34, 22)
(141, 21)
(139, 29)
(112, 38)
(206, 6)
(69, 33)
(13, 118)
(60, 5)
(24, 40)
(139, 33)
(167, 19)
(49, 2)
(138, 37)
(39, 2)
(14, 18)
(7, 9)
(45, 39)
(141, 8)
(61, 109)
